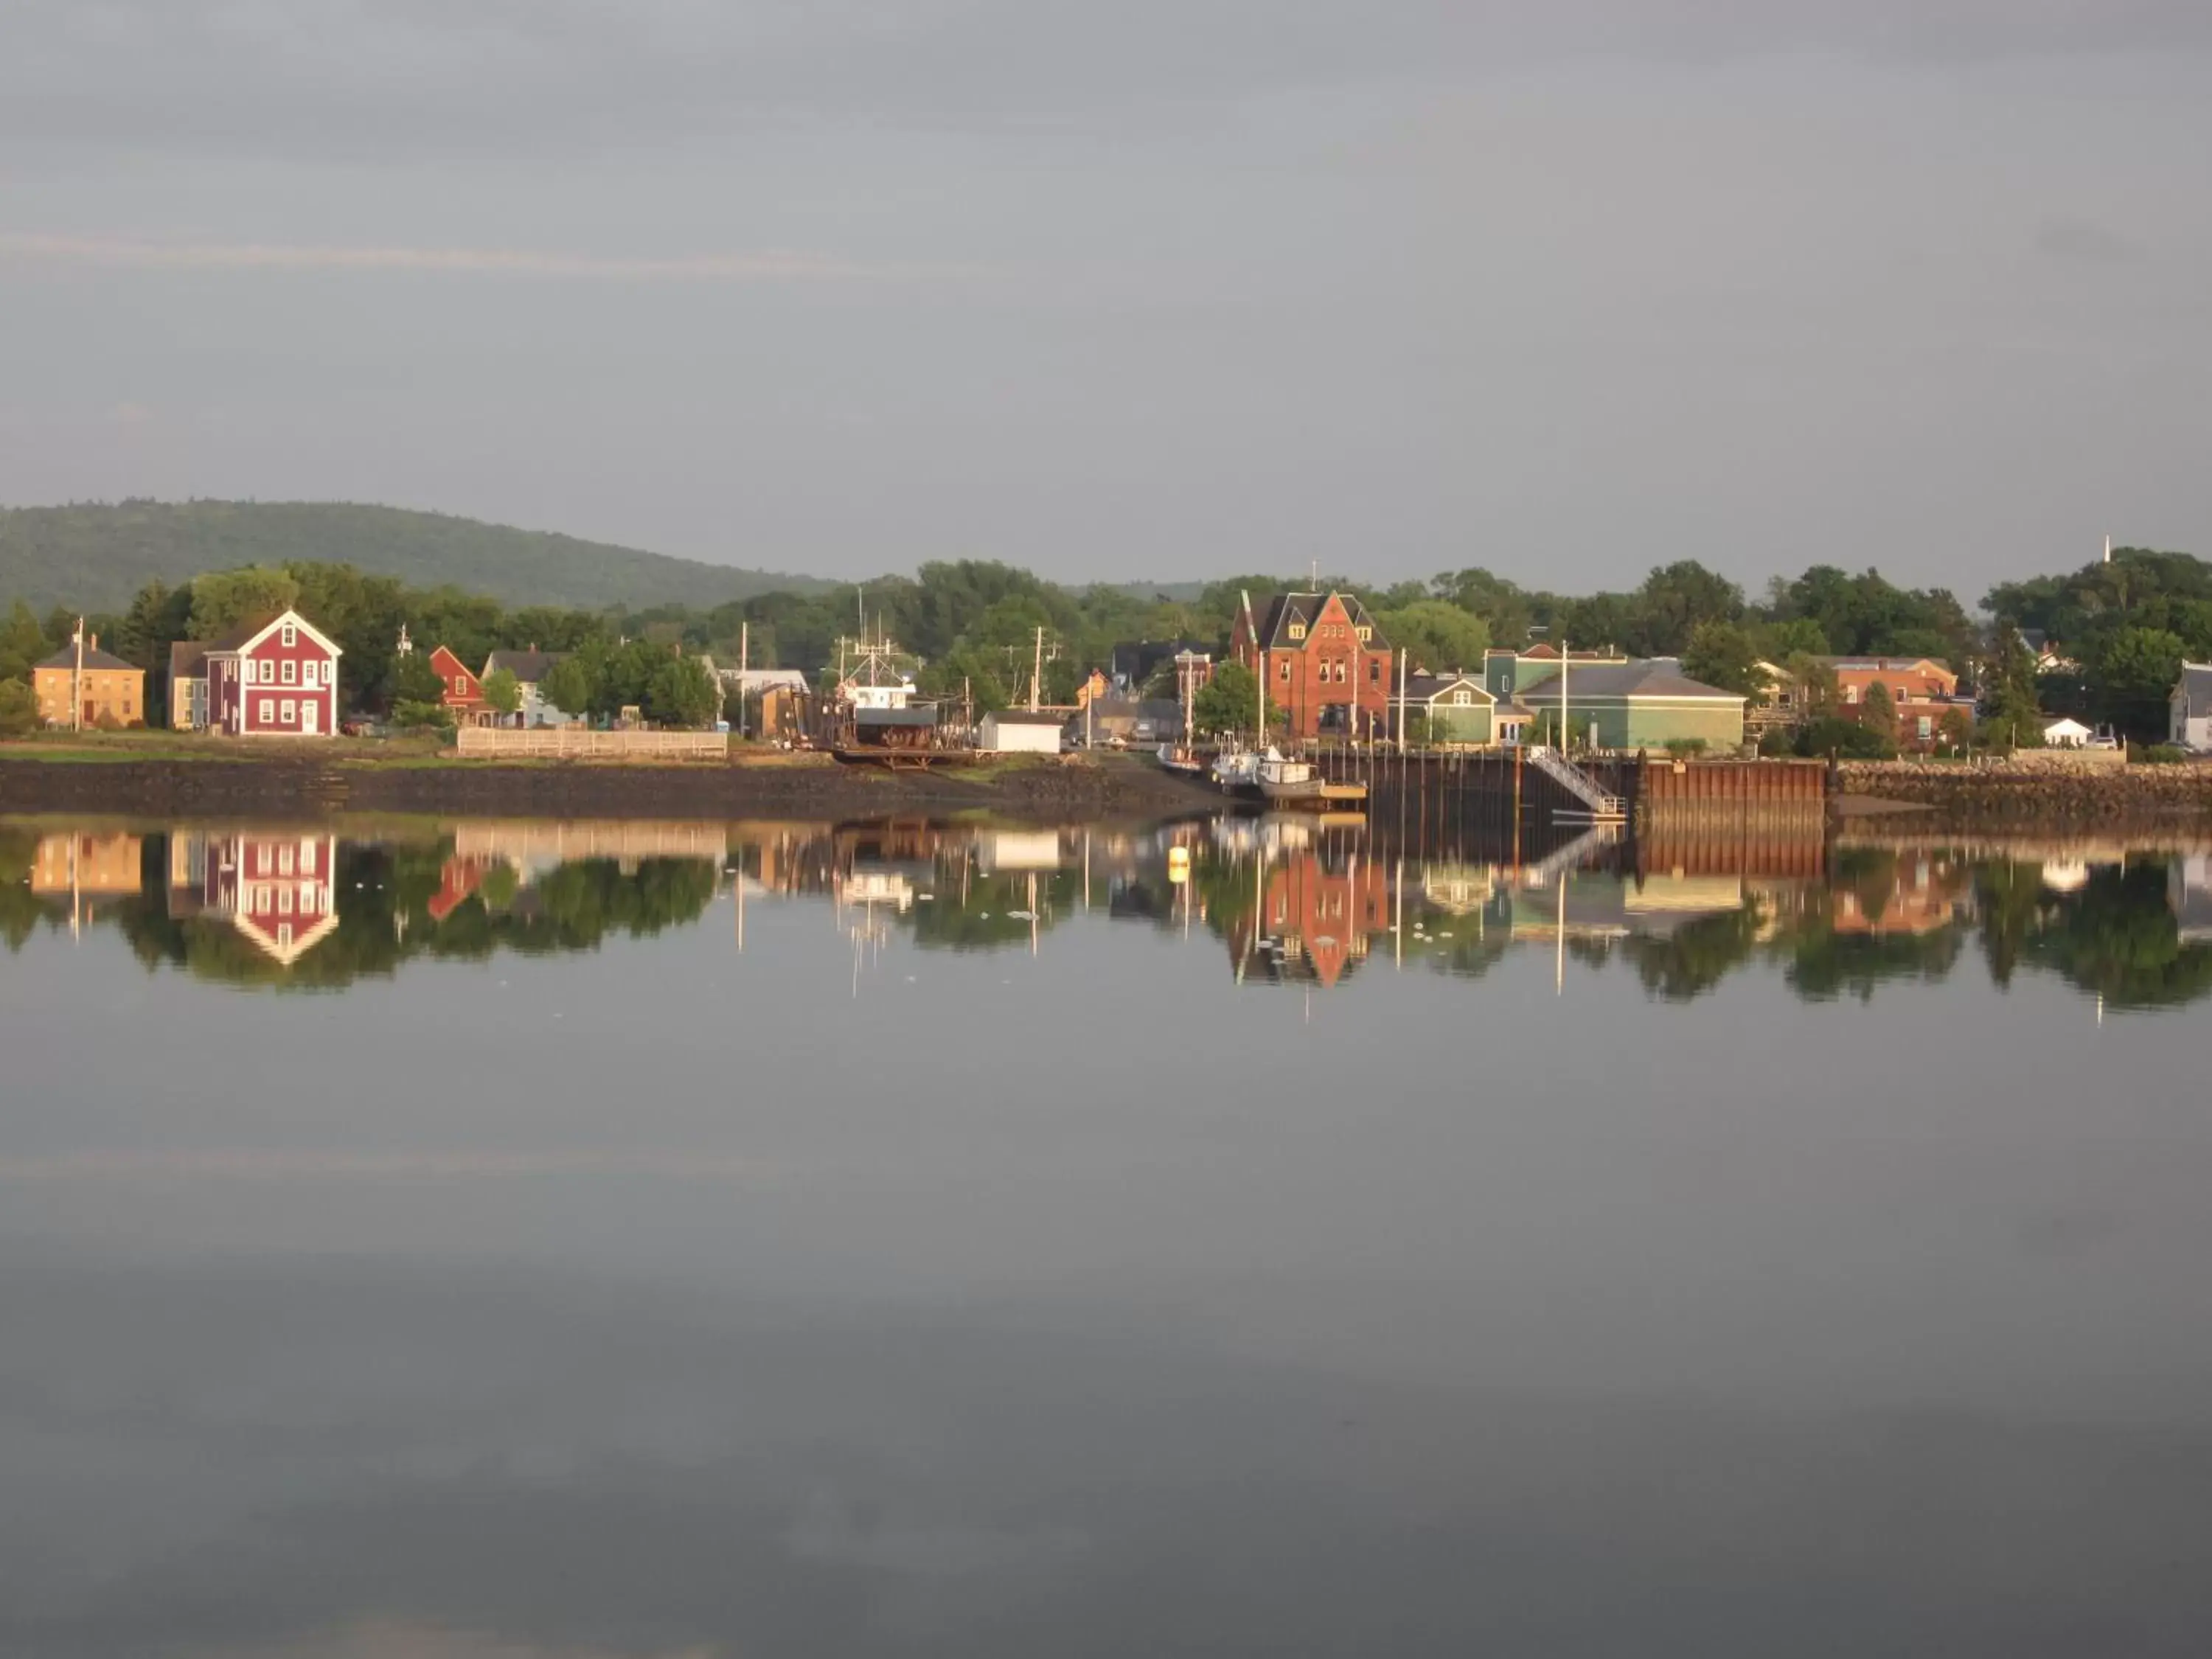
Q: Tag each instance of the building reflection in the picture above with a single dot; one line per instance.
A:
(1315, 900)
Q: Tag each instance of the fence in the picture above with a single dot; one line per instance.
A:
(575, 743)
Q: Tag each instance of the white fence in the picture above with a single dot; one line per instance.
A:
(575, 743)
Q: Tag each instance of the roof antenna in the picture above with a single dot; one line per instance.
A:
(1315, 578)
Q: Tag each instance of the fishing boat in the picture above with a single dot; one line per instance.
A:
(1181, 760)
(1237, 770)
(1297, 781)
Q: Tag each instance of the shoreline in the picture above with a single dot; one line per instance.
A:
(1036, 790)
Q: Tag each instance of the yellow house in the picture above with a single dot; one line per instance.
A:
(87, 864)
(111, 691)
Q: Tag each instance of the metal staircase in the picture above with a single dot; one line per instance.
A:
(1602, 808)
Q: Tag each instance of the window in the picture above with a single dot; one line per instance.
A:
(283, 901)
(1366, 635)
(289, 673)
(261, 860)
(1297, 631)
(291, 636)
(291, 714)
(1286, 670)
(284, 935)
(246, 671)
(1926, 728)
(269, 711)
(284, 861)
(1850, 694)
(1375, 670)
(1463, 697)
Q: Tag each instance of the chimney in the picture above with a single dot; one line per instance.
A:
(92, 642)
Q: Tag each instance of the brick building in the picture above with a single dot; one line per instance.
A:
(1324, 661)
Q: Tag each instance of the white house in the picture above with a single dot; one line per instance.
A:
(530, 668)
(2065, 734)
(1016, 731)
(2192, 707)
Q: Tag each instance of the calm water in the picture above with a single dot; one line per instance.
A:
(520, 1240)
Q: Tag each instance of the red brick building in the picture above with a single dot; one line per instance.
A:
(1324, 661)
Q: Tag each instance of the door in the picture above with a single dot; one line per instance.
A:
(310, 712)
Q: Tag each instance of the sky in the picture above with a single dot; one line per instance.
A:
(1166, 289)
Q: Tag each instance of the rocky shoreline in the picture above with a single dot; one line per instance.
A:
(1045, 790)
(2026, 790)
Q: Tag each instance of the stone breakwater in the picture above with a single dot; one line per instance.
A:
(2034, 789)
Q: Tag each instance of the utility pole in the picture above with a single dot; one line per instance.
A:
(1402, 700)
(744, 662)
(1037, 673)
(76, 683)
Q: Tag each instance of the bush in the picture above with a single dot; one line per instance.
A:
(2159, 754)
(1686, 748)
(423, 716)
(1847, 739)
(19, 709)
(1777, 742)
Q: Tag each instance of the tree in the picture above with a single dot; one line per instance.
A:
(1721, 654)
(158, 616)
(2131, 674)
(1817, 689)
(2009, 704)
(22, 644)
(1437, 635)
(571, 684)
(1956, 729)
(1674, 600)
(224, 599)
(682, 692)
(502, 692)
(19, 708)
(413, 680)
(1227, 701)
(1879, 712)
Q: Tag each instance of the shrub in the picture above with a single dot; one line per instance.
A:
(423, 716)
(2159, 754)
(1833, 734)
(1686, 748)
(1776, 742)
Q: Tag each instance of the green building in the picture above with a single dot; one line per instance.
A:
(1458, 708)
(1615, 702)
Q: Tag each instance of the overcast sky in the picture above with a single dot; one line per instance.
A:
(1160, 288)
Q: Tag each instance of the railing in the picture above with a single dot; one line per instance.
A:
(576, 743)
(1576, 781)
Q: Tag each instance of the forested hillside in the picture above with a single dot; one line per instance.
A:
(95, 558)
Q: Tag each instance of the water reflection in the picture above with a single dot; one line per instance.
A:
(1311, 902)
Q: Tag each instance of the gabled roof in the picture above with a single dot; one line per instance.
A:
(2195, 690)
(527, 667)
(1427, 688)
(1643, 676)
(187, 658)
(94, 658)
(1286, 609)
(1052, 717)
(247, 634)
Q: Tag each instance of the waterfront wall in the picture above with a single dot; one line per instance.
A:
(2033, 786)
(1444, 787)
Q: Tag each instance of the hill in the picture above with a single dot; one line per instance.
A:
(95, 558)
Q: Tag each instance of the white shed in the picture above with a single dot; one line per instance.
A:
(1016, 731)
(2065, 734)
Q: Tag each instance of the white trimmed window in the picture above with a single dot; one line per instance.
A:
(291, 712)
(291, 636)
(1297, 631)
(289, 673)
(269, 711)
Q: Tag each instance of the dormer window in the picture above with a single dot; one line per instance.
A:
(1297, 631)
(291, 636)
(1366, 635)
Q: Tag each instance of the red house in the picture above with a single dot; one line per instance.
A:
(463, 692)
(1325, 661)
(275, 678)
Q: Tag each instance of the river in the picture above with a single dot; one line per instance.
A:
(517, 1240)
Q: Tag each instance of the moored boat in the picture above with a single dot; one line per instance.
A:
(1298, 781)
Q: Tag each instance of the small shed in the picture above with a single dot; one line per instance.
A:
(2065, 734)
(1019, 731)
